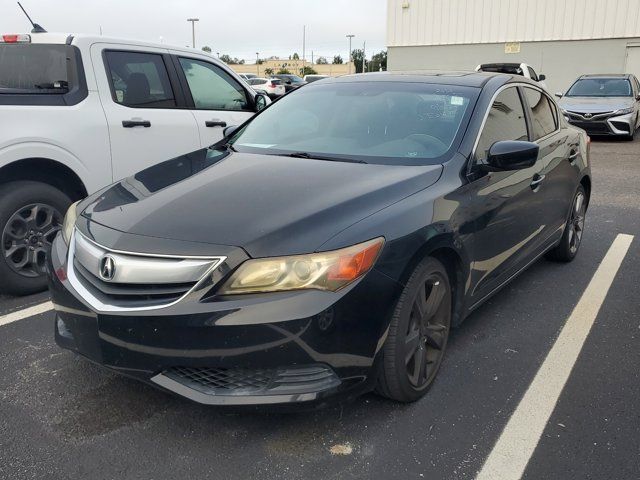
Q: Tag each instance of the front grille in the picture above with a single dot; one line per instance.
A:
(131, 292)
(243, 381)
(592, 115)
(592, 127)
(112, 280)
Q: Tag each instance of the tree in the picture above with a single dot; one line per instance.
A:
(268, 71)
(231, 61)
(378, 61)
(321, 61)
(284, 71)
(337, 60)
(295, 56)
(308, 71)
(357, 56)
(206, 49)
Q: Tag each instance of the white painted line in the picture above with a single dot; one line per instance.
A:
(25, 313)
(512, 451)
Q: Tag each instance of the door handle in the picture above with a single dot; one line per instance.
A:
(537, 180)
(215, 123)
(573, 155)
(136, 123)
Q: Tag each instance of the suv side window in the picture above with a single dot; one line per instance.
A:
(542, 117)
(212, 88)
(506, 121)
(533, 75)
(139, 80)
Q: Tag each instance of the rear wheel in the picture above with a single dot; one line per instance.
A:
(571, 240)
(418, 334)
(31, 214)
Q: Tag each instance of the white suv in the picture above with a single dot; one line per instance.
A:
(80, 112)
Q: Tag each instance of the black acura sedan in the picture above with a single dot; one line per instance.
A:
(326, 247)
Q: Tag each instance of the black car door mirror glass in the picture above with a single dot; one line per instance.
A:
(512, 155)
(260, 101)
(229, 131)
(542, 77)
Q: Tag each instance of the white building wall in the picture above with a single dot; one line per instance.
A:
(451, 22)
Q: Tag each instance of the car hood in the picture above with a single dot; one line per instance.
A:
(268, 205)
(595, 104)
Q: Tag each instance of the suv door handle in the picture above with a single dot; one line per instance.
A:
(136, 123)
(537, 180)
(215, 123)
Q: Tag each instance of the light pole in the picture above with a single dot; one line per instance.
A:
(349, 57)
(193, 30)
(257, 63)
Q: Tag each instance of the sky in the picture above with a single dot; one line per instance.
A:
(239, 28)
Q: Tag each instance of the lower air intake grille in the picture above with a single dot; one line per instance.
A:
(239, 381)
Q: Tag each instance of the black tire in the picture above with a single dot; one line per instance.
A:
(571, 239)
(394, 379)
(26, 204)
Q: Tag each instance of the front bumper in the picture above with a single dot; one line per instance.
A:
(290, 347)
(621, 125)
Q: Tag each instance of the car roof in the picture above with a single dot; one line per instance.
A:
(469, 79)
(606, 75)
(86, 39)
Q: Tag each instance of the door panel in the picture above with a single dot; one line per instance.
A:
(558, 154)
(218, 99)
(140, 104)
(507, 222)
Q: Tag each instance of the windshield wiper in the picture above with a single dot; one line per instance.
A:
(313, 156)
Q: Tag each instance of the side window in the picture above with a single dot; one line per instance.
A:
(212, 88)
(542, 118)
(506, 121)
(139, 80)
(533, 75)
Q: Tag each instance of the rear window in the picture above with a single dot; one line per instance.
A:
(36, 69)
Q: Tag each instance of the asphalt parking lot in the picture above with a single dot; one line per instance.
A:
(64, 418)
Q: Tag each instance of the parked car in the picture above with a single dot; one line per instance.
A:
(78, 112)
(328, 246)
(291, 82)
(603, 104)
(314, 78)
(523, 69)
(247, 76)
(269, 86)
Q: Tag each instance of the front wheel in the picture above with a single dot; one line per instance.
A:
(418, 334)
(571, 240)
(31, 214)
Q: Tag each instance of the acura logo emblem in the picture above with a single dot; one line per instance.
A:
(107, 267)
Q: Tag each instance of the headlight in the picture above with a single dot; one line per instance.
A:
(69, 222)
(322, 271)
(624, 111)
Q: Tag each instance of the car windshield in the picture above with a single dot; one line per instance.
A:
(393, 123)
(293, 78)
(600, 87)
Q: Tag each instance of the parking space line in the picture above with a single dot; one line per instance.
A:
(25, 313)
(512, 451)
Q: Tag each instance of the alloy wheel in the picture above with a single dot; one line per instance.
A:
(576, 222)
(427, 332)
(27, 237)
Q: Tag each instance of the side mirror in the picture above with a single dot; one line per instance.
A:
(559, 94)
(542, 77)
(638, 97)
(261, 101)
(512, 155)
(230, 130)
